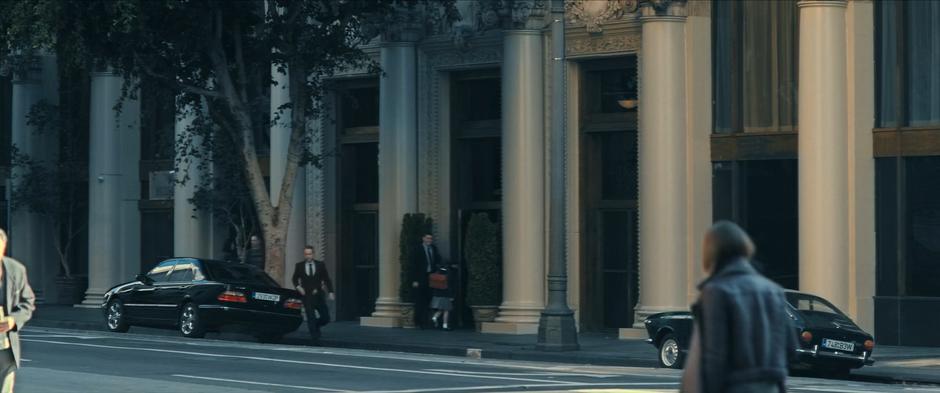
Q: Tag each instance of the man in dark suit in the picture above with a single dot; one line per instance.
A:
(18, 305)
(313, 282)
(425, 260)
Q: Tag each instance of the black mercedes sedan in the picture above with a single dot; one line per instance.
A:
(829, 340)
(199, 295)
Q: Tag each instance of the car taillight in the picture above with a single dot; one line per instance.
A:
(869, 345)
(293, 304)
(232, 297)
(806, 336)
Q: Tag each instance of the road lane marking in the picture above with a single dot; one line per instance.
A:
(580, 386)
(533, 374)
(280, 385)
(412, 357)
(264, 359)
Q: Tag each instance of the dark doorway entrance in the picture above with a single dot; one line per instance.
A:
(358, 183)
(476, 166)
(359, 267)
(608, 173)
(762, 197)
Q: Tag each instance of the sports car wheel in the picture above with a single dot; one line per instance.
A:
(669, 354)
(115, 317)
(190, 324)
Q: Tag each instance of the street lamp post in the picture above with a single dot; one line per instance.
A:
(557, 331)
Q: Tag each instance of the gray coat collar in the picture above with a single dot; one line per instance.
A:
(736, 267)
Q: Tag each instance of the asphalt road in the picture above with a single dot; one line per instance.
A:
(72, 361)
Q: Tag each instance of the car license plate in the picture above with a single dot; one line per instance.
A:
(267, 296)
(838, 345)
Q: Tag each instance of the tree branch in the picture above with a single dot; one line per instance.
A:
(184, 87)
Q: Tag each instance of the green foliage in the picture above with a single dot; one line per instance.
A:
(413, 227)
(483, 254)
(51, 182)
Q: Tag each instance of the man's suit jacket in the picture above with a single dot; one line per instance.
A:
(419, 265)
(20, 300)
(312, 286)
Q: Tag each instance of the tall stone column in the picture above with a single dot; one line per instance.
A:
(398, 170)
(662, 161)
(280, 143)
(823, 152)
(191, 227)
(523, 183)
(113, 146)
(29, 232)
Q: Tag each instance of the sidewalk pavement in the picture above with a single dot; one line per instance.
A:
(892, 364)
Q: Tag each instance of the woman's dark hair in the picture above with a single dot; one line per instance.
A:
(730, 243)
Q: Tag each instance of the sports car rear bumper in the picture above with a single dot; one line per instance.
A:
(814, 354)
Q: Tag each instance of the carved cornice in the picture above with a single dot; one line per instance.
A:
(523, 14)
(603, 44)
(593, 13)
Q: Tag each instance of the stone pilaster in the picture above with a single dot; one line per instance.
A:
(191, 228)
(823, 152)
(113, 186)
(523, 212)
(663, 160)
(29, 232)
(398, 166)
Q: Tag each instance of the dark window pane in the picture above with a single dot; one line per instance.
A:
(619, 173)
(361, 107)
(768, 205)
(886, 226)
(160, 273)
(615, 90)
(923, 62)
(886, 56)
(479, 99)
(723, 63)
(485, 159)
(722, 196)
(183, 272)
(367, 172)
(157, 121)
(922, 179)
(755, 51)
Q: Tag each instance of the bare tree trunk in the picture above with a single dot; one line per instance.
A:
(274, 254)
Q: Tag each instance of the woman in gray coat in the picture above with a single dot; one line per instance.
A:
(743, 338)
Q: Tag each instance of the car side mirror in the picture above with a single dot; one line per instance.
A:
(144, 279)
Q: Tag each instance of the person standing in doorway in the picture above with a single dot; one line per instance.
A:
(426, 259)
(255, 255)
(18, 302)
(737, 300)
(313, 282)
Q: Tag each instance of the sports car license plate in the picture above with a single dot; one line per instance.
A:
(838, 345)
(267, 296)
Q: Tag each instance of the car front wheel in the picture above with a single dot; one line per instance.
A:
(190, 323)
(669, 354)
(115, 318)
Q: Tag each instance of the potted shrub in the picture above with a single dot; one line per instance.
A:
(483, 254)
(413, 227)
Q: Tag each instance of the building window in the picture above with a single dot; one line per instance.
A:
(909, 242)
(755, 46)
(361, 107)
(908, 58)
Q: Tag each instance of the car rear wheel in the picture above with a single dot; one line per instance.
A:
(190, 323)
(115, 318)
(669, 354)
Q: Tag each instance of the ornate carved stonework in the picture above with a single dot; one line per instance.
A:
(594, 13)
(603, 44)
(663, 7)
(523, 14)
